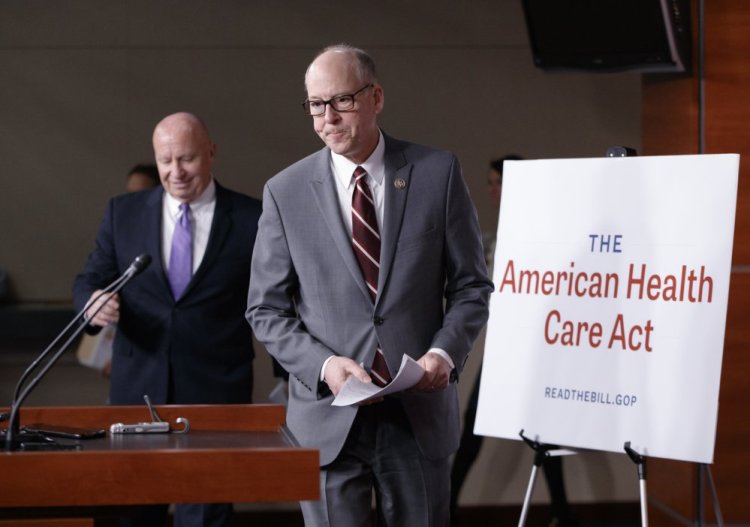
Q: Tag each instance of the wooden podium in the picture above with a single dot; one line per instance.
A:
(232, 453)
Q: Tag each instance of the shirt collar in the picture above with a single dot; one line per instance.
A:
(208, 195)
(343, 168)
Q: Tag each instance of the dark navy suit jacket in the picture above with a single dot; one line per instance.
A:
(198, 349)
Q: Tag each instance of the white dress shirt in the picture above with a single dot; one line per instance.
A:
(343, 169)
(201, 217)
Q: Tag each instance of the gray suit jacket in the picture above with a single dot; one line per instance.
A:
(307, 298)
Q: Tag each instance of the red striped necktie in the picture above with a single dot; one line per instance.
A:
(366, 243)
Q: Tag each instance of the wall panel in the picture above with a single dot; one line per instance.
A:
(670, 126)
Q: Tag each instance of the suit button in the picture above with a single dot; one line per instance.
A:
(378, 321)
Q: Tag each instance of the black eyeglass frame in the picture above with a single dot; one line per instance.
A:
(306, 102)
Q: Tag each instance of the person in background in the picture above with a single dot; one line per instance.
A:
(494, 193)
(471, 444)
(141, 177)
(181, 336)
(367, 250)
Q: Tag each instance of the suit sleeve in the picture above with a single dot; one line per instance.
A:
(271, 308)
(101, 265)
(467, 288)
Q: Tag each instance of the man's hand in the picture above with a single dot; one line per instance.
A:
(109, 314)
(338, 371)
(437, 373)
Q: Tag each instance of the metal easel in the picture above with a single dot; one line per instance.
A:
(541, 452)
(641, 462)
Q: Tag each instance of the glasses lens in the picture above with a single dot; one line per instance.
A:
(343, 103)
(314, 107)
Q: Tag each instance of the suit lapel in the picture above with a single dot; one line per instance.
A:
(220, 227)
(323, 188)
(396, 187)
(153, 231)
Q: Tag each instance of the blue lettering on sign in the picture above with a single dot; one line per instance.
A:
(589, 396)
(606, 243)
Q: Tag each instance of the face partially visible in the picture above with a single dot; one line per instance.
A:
(352, 134)
(184, 156)
(137, 181)
(494, 187)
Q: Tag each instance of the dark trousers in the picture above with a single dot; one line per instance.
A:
(186, 515)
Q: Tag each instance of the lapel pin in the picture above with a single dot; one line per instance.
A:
(400, 183)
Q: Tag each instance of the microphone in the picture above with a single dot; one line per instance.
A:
(140, 263)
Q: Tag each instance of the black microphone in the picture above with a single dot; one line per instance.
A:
(136, 267)
(139, 264)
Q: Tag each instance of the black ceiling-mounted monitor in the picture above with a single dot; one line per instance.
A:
(609, 35)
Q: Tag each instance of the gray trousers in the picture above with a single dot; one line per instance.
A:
(381, 456)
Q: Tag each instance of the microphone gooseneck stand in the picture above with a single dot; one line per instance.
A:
(14, 438)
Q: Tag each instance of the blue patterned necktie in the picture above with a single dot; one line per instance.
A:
(181, 257)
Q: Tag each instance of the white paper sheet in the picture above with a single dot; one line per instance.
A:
(355, 391)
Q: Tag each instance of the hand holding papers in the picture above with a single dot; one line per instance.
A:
(355, 391)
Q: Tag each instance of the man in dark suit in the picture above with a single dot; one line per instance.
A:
(369, 249)
(181, 337)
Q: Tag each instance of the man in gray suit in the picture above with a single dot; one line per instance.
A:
(327, 303)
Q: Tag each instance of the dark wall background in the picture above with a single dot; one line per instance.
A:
(84, 82)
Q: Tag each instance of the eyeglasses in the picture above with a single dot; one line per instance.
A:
(340, 103)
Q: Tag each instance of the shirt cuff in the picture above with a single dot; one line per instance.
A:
(442, 353)
(323, 369)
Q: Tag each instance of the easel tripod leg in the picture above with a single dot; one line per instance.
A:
(640, 460)
(527, 499)
(704, 469)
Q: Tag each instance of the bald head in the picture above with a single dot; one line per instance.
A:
(184, 155)
(182, 121)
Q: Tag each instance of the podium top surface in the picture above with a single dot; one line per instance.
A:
(239, 453)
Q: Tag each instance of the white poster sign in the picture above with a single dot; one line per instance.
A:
(607, 320)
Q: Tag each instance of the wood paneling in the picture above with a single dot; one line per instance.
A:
(48, 523)
(727, 100)
(670, 126)
(665, 130)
